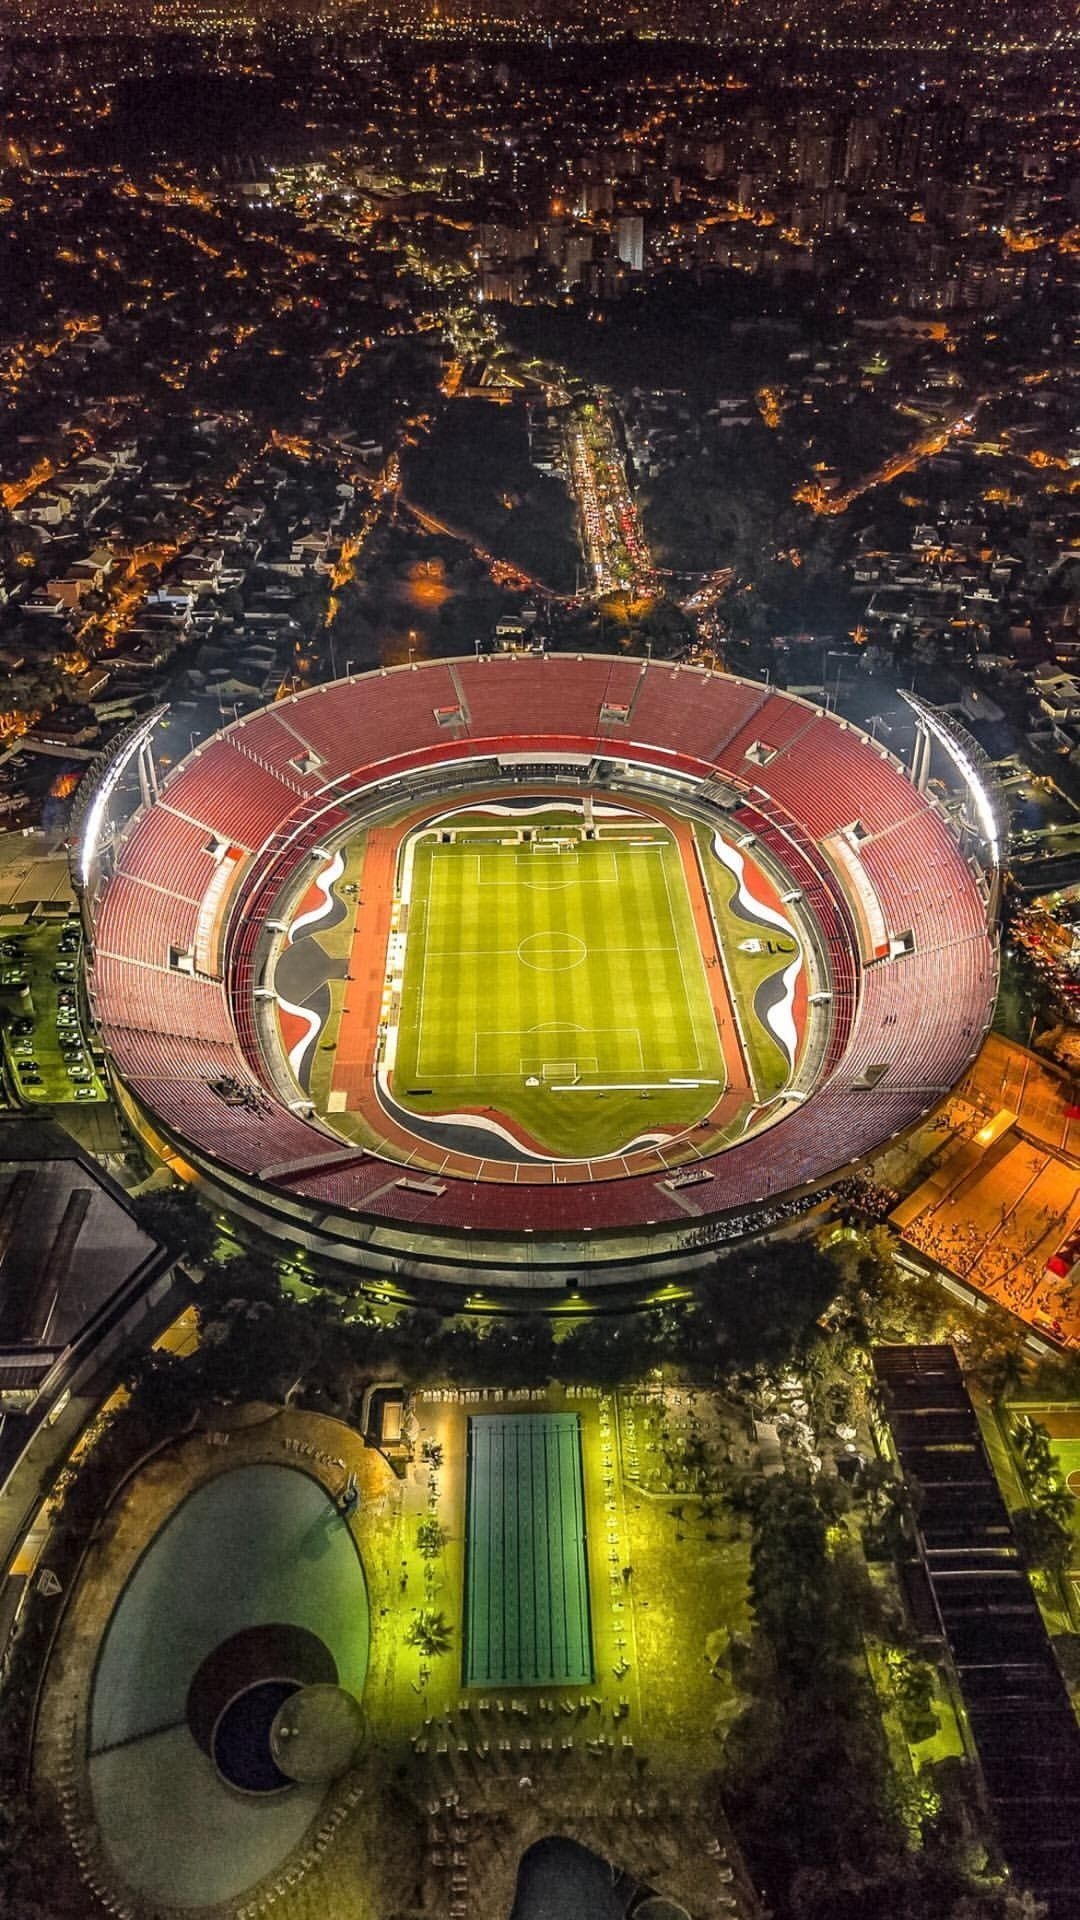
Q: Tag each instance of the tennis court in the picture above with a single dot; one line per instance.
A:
(526, 1575)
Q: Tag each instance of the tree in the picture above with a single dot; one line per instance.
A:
(431, 1536)
(430, 1632)
(1003, 1374)
(760, 1306)
(175, 1217)
(1057, 1504)
(1067, 1648)
(913, 1687)
(1032, 1443)
(908, 1889)
(1043, 1541)
(165, 1389)
(606, 1352)
(792, 1579)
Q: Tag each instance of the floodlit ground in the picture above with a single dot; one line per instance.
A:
(990, 1206)
(524, 979)
(558, 983)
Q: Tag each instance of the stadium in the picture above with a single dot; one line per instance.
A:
(537, 971)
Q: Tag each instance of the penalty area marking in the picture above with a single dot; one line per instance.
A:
(553, 868)
(632, 1086)
(532, 1060)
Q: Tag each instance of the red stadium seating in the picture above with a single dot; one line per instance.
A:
(680, 709)
(168, 851)
(142, 923)
(158, 1001)
(526, 695)
(358, 723)
(268, 736)
(901, 1029)
(831, 777)
(776, 724)
(230, 792)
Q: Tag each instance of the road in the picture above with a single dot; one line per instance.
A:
(611, 534)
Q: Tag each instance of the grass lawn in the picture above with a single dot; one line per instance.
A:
(565, 990)
(752, 955)
(1067, 1460)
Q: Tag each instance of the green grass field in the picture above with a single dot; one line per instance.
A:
(752, 955)
(1067, 1461)
(564, 990)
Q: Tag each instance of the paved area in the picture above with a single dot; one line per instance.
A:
(33, 868)
(996, 1188)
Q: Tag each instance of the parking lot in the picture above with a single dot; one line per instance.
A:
(47, 1060)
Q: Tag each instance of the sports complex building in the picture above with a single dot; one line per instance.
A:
(530, 970)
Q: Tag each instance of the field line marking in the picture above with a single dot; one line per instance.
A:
(423, 972)
(682, 967)
(694, 1028)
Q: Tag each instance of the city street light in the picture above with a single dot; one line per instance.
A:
(832, 653)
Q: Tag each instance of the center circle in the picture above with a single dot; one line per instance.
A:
(552, 952)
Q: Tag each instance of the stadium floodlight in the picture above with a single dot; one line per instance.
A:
(95, 815)
(966, 766)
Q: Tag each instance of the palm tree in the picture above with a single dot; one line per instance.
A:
(1032, 1443)
(430, 1631)
(1005, 1374)
(1057, 1504)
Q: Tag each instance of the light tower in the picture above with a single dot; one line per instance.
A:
(984, 820)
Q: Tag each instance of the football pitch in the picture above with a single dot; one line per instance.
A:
(558, 982)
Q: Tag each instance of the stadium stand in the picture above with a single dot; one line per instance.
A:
(676, 709)
(283, 752)
(170, 852)
(286, 780)
(777, 724)
(143, 923)
(525, 695)
(829, 780)
(626, 679)
(371, 720)
(231, 792)
(160, 1002)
